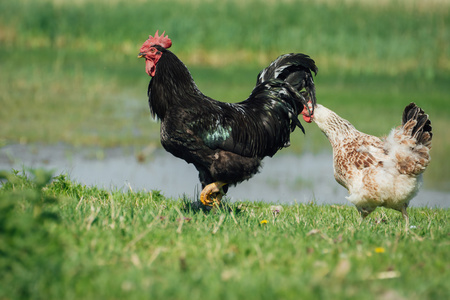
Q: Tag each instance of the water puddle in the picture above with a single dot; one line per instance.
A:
(285, 178)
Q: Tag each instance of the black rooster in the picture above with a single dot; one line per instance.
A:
(225, 141)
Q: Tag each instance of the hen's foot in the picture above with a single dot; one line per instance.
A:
(212, 193)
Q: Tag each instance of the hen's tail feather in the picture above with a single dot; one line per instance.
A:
(411, 142)
(295, 69)
(416, 123)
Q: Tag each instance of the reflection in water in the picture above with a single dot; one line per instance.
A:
(285, 178)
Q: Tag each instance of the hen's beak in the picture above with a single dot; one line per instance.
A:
(140, 55)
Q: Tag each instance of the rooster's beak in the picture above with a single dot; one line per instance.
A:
(140, 55)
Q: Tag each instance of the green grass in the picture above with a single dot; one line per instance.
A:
(376, 37)
(62, 240)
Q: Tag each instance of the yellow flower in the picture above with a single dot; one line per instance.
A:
(263, 222)
(379, 250)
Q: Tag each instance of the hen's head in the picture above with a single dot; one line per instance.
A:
(151, 53)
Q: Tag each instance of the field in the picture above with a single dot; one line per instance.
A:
(62, 240)
(69, 74)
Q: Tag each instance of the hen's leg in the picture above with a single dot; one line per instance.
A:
(212, 193)
(363, 213)
(405, 216)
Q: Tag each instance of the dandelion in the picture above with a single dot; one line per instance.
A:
(263, 222)
(379, 250)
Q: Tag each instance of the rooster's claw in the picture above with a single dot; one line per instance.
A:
(207, 196)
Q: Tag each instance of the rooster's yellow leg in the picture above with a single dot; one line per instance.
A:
(212, 193)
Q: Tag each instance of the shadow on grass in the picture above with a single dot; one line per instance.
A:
(196, 206)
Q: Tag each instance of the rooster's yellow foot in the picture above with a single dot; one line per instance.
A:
(212, 193)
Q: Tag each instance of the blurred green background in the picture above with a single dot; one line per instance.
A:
(70, 73)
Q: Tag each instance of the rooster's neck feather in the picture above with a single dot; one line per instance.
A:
(171, 78)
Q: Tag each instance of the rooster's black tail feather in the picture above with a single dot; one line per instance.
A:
(295, 69)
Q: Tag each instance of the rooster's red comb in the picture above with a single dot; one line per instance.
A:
(160, 40)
